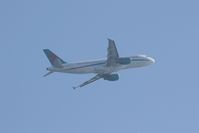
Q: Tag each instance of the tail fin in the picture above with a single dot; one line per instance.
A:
(53, 58)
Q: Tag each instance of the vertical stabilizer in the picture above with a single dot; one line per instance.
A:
(53, 58)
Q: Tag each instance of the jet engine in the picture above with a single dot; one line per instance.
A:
(111, 77)
(124, 61)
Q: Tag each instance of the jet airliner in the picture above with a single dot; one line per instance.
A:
(103, 69)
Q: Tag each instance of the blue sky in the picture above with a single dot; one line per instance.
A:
(160, 98)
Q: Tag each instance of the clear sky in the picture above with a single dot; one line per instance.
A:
(161, 98)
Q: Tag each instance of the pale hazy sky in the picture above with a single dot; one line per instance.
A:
(161, 98)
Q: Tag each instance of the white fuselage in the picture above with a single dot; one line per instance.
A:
(100, 66)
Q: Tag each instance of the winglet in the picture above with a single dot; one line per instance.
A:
(75, 88)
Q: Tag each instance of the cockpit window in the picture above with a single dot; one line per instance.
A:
(138, 56)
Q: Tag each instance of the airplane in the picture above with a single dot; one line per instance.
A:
(103, 69)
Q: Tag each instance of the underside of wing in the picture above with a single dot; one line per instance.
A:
(98, 76)
(109, 77)
(112, 56)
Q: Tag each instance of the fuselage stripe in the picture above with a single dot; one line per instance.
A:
(102, 63)
(88, 65)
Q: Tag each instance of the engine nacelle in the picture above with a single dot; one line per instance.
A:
(111, 77)
(124, 61)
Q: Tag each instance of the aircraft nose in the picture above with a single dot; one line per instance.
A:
(151, 59)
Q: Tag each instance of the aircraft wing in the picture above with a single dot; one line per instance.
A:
(113, 56)
(47, 74)
(98, 76)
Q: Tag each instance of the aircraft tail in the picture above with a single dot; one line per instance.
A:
(53, 58)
